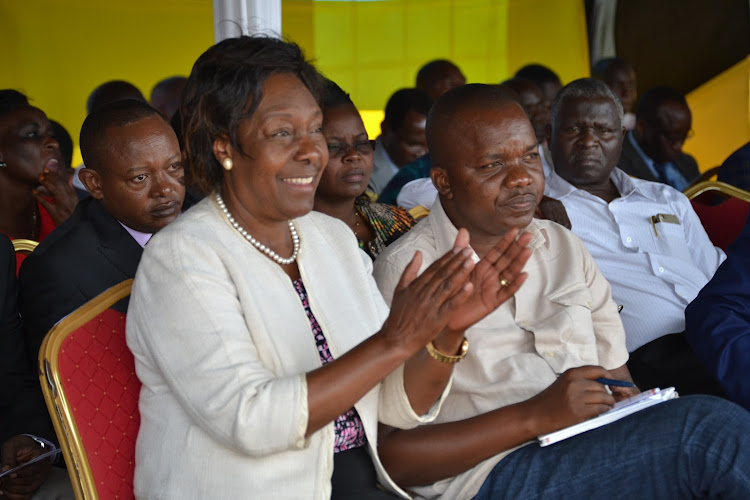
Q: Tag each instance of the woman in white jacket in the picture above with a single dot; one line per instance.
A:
(266, 352)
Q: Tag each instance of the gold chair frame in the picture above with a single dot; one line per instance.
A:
(721, 187)
(56, 398)
(23, 245)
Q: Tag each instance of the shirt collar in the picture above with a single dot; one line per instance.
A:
(139, 237)
(559, 188)
(445, 232)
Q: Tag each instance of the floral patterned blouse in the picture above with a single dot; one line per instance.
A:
(350, 433)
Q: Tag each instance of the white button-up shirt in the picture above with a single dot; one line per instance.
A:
(655, 269)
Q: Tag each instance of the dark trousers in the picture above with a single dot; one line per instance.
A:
(354, 477)
(670, 362)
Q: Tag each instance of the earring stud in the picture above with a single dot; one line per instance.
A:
(227, 163)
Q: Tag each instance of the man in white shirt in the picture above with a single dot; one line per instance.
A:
(531, 365)
(644, 236)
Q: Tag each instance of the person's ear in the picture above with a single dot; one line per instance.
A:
(222, 149)
(548, 133)
(441, 182)
(92, 181)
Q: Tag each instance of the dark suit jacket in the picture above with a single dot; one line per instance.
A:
(81, 258)
(22, 408)
(717, 322)
(632, 164)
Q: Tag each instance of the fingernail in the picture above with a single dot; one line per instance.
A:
(466, 251)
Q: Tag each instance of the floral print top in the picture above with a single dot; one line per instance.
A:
(348, 427)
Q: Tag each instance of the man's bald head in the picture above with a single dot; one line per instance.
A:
(455, 108)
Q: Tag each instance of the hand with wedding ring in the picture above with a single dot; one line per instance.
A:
(496, 278)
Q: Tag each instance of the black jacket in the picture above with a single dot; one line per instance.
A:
(87, 254)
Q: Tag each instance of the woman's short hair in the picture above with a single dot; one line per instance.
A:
(11, 99)
(334, 96)
(224, 88)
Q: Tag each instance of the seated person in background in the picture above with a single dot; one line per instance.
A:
(736, 169)
(61, 135)
(718, 321)
(544, 77)
(111, 91)
(402, 138)
(533, 102)
(35, 195)
(134, 173)
(24, 422)
(167, 94)
(644, 236)
(534, 360)
(619, 76)
(438, 77)
(653, 149)
(340, 192)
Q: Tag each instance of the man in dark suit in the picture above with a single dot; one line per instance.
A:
(653, 150)
(718, 321)
(134, 173)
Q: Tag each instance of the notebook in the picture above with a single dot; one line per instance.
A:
(619, 410)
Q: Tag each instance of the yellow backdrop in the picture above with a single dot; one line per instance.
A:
(57, 52)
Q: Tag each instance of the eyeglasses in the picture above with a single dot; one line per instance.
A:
(336, 149)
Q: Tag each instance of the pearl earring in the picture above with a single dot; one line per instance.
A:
(227, 163)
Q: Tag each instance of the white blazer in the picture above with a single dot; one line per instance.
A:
(222, 344)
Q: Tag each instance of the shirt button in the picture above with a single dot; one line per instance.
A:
(550, 354)
(628, 239)
(590, 304)
(661, 269)
(525, 323)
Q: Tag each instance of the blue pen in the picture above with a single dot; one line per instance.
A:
(615, 383)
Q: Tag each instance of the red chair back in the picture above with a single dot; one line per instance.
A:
(723, 222)
(90, 384)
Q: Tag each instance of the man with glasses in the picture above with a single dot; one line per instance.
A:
(653, 150)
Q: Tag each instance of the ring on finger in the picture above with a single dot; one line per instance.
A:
(504, 282)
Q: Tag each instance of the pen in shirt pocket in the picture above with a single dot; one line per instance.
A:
(667, 218)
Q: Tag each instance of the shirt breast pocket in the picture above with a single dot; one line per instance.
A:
(564, 332)
(671, 241)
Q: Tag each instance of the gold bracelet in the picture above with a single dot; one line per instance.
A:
(445, 358)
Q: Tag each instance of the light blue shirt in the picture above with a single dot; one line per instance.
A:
(672, 174)
(655, 270)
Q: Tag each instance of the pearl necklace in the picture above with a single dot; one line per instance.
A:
(257, 244)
